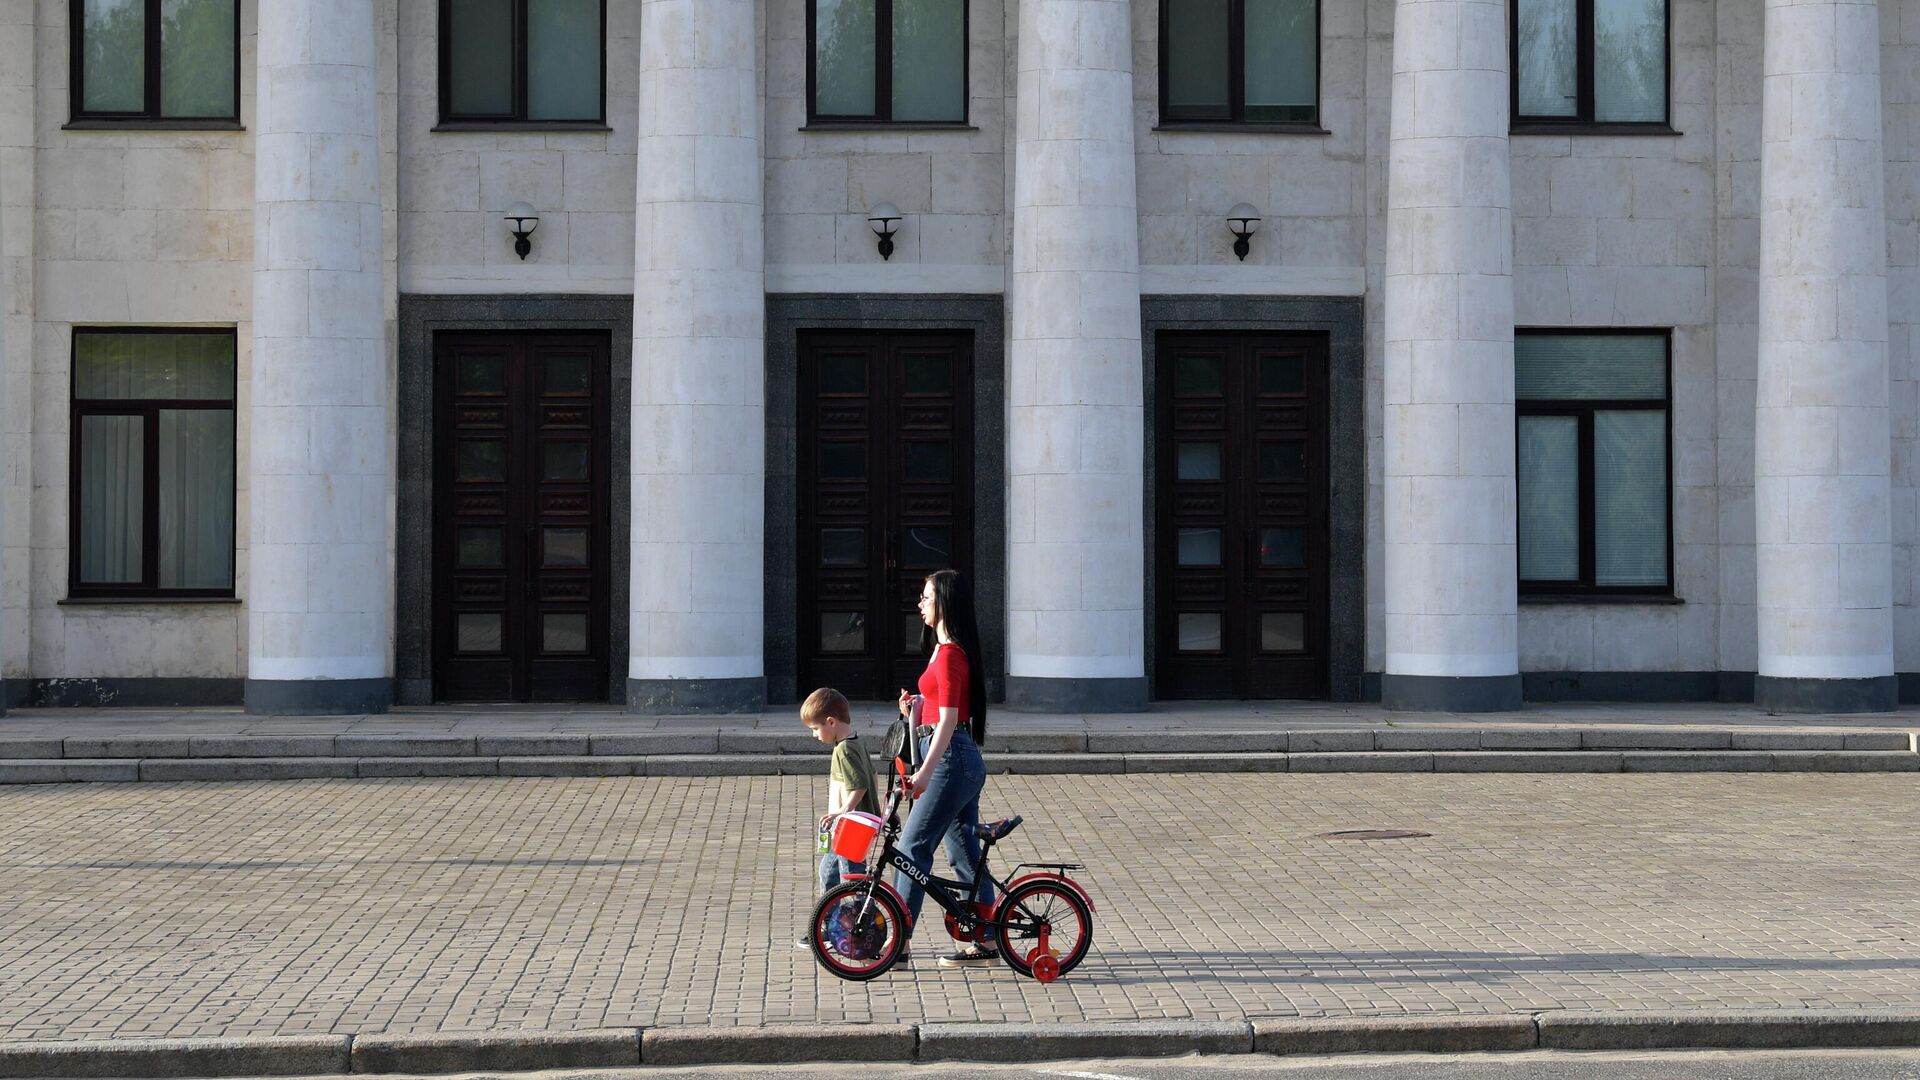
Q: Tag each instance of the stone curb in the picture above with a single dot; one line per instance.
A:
(613, 1048)
(1743, 1030)
(628, 1047)
(778, 1044)
(270, 1056)
(60, 770)
(1042, 1042)
(1395, 1034)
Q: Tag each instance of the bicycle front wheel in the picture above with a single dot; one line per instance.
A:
(858, 930)
(1044, 918)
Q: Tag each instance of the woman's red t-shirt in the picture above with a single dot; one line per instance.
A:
(945, 684)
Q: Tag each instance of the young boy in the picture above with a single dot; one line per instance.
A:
(851, 785)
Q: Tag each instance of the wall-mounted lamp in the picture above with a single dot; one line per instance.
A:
(884, 220)
(521, 221)
(1243, 221)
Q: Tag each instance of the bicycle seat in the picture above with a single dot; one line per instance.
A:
(999, 830)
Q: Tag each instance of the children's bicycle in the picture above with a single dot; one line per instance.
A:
(1042, 925)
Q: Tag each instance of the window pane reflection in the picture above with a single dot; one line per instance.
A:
(1283, 631)
(1198, 461)
(563, 632)
(477, 632)
(1199, 547)
(1199, 631)
(1283, 547)
(928, 547)
(843, 631)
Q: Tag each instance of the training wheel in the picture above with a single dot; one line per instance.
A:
(1046, 968)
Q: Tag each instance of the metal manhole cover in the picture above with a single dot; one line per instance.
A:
(1373, 834)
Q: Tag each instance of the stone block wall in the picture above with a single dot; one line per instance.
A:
(140, 227)
(454, 186)
(951, 185)
(131, 228)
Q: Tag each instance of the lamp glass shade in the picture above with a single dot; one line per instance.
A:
(1243, 219)
(882, 217)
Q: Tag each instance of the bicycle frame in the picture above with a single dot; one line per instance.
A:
(946, 892)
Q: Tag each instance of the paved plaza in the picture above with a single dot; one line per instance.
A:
(421, 906)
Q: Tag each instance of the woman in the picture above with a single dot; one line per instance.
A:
(953, 720)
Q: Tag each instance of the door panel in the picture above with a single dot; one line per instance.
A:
(885, 471)
(1241, 516)
(521, 544)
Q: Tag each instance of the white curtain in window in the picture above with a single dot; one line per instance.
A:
(196, 58)
(1549, 498)
(1549, 58)
(1630, 60)
(1630, 497)
(843, 67)
(929, 60)
(112, 465)
(196, 498)
(563, 59)
(1282, 59)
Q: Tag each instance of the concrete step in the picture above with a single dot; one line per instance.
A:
(175, 769)
(748, 743)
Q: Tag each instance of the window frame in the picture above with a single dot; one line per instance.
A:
(148, 409)
(1582, 122)
(1583, 409)
(882, 115)
(79, 117)
(1236, 120)
(450, 120)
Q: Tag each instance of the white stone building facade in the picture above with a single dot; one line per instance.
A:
(1611, 399)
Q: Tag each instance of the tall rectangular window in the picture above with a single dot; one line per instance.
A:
(136, 60)
(1601, 62)
(1240, 61)
(523, 61)
(153, 463)
(1593, 427)
(887, 61)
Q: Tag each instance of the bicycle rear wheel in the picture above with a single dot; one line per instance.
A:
(858, 930)
(1044, 918)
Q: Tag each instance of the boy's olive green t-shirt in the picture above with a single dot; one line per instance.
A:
(852, 770)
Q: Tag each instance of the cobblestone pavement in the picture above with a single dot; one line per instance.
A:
(172, 910)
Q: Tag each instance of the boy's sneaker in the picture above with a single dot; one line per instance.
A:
(805, 942)
(971, 956)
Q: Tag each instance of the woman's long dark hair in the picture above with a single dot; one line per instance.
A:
(953, 605)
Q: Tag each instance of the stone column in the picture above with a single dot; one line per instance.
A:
(319, 580)
(699, 366)
(17, 67)
(1075, 423)
(1451, 587)
(1822, 450)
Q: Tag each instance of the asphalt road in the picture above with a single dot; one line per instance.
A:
(1544, 1065)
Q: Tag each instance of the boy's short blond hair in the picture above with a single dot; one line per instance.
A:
(825, 704)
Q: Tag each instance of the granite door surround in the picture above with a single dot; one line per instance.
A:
(1342, 320)
(421, 317)
(789, 315)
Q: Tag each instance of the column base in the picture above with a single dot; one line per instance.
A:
(1443, 693)
(317, 697)
(1077, 695)
(670, 697)
(1780, 695)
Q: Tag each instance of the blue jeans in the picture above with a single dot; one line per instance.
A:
(948, 810)
(834, 870)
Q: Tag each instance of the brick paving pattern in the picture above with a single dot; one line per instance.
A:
(175, 910)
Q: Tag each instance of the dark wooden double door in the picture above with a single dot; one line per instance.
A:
(521, 538)
(1240, 443)
(885, 497)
